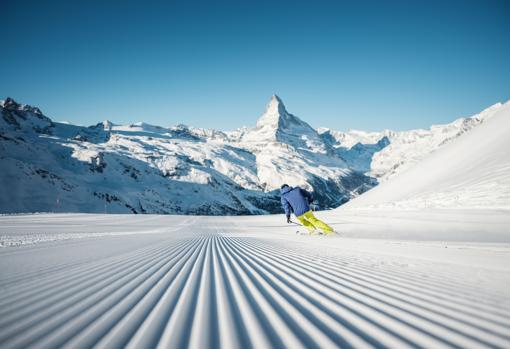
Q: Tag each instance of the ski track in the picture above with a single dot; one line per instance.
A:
(203, 286)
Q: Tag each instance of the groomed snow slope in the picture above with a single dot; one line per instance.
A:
(240, 282)
(471, 172)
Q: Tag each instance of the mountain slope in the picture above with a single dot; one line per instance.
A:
(141, 168)
(384, 154)
(472, 171)
(49, 166)
(288, 150)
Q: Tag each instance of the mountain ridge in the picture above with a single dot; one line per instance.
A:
(143, 168)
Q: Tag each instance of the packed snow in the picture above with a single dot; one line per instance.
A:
(237, 282)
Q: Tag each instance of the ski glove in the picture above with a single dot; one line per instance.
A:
(288, 219)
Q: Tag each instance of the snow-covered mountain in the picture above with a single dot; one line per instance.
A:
(384, 154)
(288, 150)
(143, 168)
(471, 172)
(278, 125)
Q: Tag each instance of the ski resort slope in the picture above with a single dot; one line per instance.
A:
(471, 172)
(142, 281)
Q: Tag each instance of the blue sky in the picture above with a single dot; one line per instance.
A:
(355, 64)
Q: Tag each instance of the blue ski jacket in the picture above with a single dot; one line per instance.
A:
(295, 200)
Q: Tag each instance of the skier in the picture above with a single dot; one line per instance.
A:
(298, 201)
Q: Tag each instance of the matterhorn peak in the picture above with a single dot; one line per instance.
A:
(275, 111)
(277, 124)
(275, 104)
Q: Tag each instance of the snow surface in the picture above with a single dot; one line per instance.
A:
(239, 282)
(383, 155)
(471, 172)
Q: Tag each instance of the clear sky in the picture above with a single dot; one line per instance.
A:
(342, 64)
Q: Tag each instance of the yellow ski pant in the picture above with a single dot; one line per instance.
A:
(311, 222)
